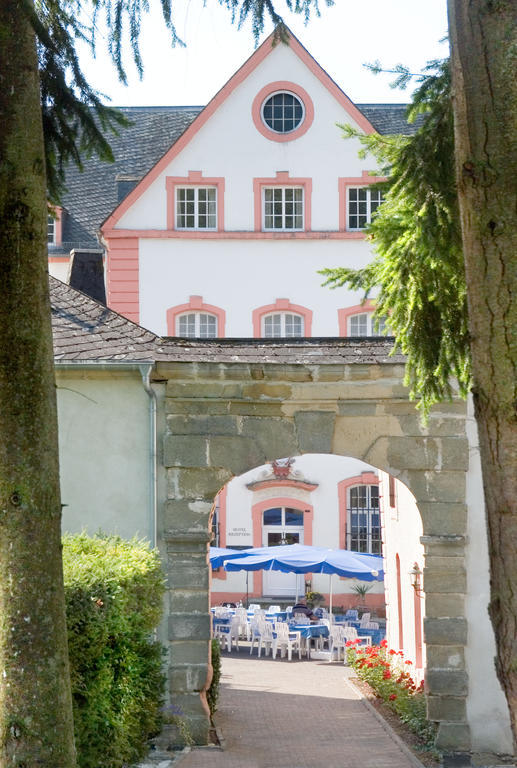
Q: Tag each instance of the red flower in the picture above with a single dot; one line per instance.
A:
(392, 697)
(392, 652)
(408, 662)
(384, 643)
(386, 675)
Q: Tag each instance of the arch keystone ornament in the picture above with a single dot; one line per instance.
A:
(230, 409)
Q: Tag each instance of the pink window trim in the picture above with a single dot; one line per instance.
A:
(282, 179)
(281, 305)
(257, 511)
(212, 234)
(365, 478)
(368, 307)
(268, 90)
(220, 573)
(194, 179)
(58, 224)
(365, 180)
(195, 304)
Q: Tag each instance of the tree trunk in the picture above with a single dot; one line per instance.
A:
(36, 726)
(484, 65)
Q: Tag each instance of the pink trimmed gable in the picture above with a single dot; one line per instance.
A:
(281, 305)
(196, 304)
(247, 68)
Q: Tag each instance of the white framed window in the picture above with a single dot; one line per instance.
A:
(364, 324)
(362, 202)
(363, 532)
(282, 325)
(283, 208)
(196, 207)
(283, 112)
(51, 230)
(196, 325)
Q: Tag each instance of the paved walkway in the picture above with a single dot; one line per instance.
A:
(298, 714)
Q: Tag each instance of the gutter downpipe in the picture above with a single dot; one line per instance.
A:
(145, 372)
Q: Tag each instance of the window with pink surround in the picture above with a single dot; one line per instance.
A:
(359, 320)
(195, 203)
(282, 111)
(358, 201)
(282, 203)
(196, 319)
(282, 320)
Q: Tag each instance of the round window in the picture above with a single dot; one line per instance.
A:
(283, 112)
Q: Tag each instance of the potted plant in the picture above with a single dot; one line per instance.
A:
(361, 589)
(314, 599)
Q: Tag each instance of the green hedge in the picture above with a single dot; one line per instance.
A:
(212, 694)
(114, 590)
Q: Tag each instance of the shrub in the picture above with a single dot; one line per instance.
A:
(387, 672)
(212, 694)
(113, 591)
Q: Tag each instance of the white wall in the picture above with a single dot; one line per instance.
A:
(103, 422)
(401, 536)
(487, 711)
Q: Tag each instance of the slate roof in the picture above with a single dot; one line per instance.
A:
(86, 331)
(314, 351)
(92, 194)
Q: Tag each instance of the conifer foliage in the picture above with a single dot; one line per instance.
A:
(418, 268)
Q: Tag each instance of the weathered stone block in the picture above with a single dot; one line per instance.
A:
(187, 601)
(183, 626)
(185, 451)
(443, 580)
(445, 631)
(250, 408)
(188, 678)
(441, 605)
(357, 408)
(266, 390)
(186, 577)
(440, 518)
(315, 430)
(188, 652)
(444, 545)
(238, 454)
(183, 514)
(203, 389)
(193, 407)
(454, 737)
(449, 708)
(276, 437)
(276, 372)
(450, 682)
(414, 452)
(428, 485)
(331, 373)
(196, 483)
(202, 425)
(445, 657)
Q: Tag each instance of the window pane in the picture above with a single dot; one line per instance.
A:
(293, 517)
(359, 325)
(187, 325)
(273, 516)
(293, 325)
(51, 229)
(282, 112)
(196, 207)
(207, 326)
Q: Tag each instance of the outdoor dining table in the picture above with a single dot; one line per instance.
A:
(376, 634)
(308, 632)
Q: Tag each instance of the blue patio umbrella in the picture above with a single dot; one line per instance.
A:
(301, 558)
(218, 555)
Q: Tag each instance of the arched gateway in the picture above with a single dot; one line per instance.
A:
(231, 405)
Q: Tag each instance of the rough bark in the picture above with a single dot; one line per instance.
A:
(35, 702)
(484, 55)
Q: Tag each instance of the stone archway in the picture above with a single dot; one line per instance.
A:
(224, 418)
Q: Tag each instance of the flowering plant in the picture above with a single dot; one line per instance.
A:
(388, 674)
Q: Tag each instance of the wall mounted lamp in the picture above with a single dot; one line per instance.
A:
(415, 574)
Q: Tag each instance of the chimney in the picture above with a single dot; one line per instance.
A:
(86, 273)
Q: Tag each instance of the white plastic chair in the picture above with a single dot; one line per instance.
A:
(253, 607)
(273, 609)
(266, 638)
(351, 634)
(229, 634)
(300, 618)
(365, 618)
(256, 624)
(337, 641)
(286, 641)
(371, 625)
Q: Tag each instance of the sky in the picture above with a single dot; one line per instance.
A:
(345, 37)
